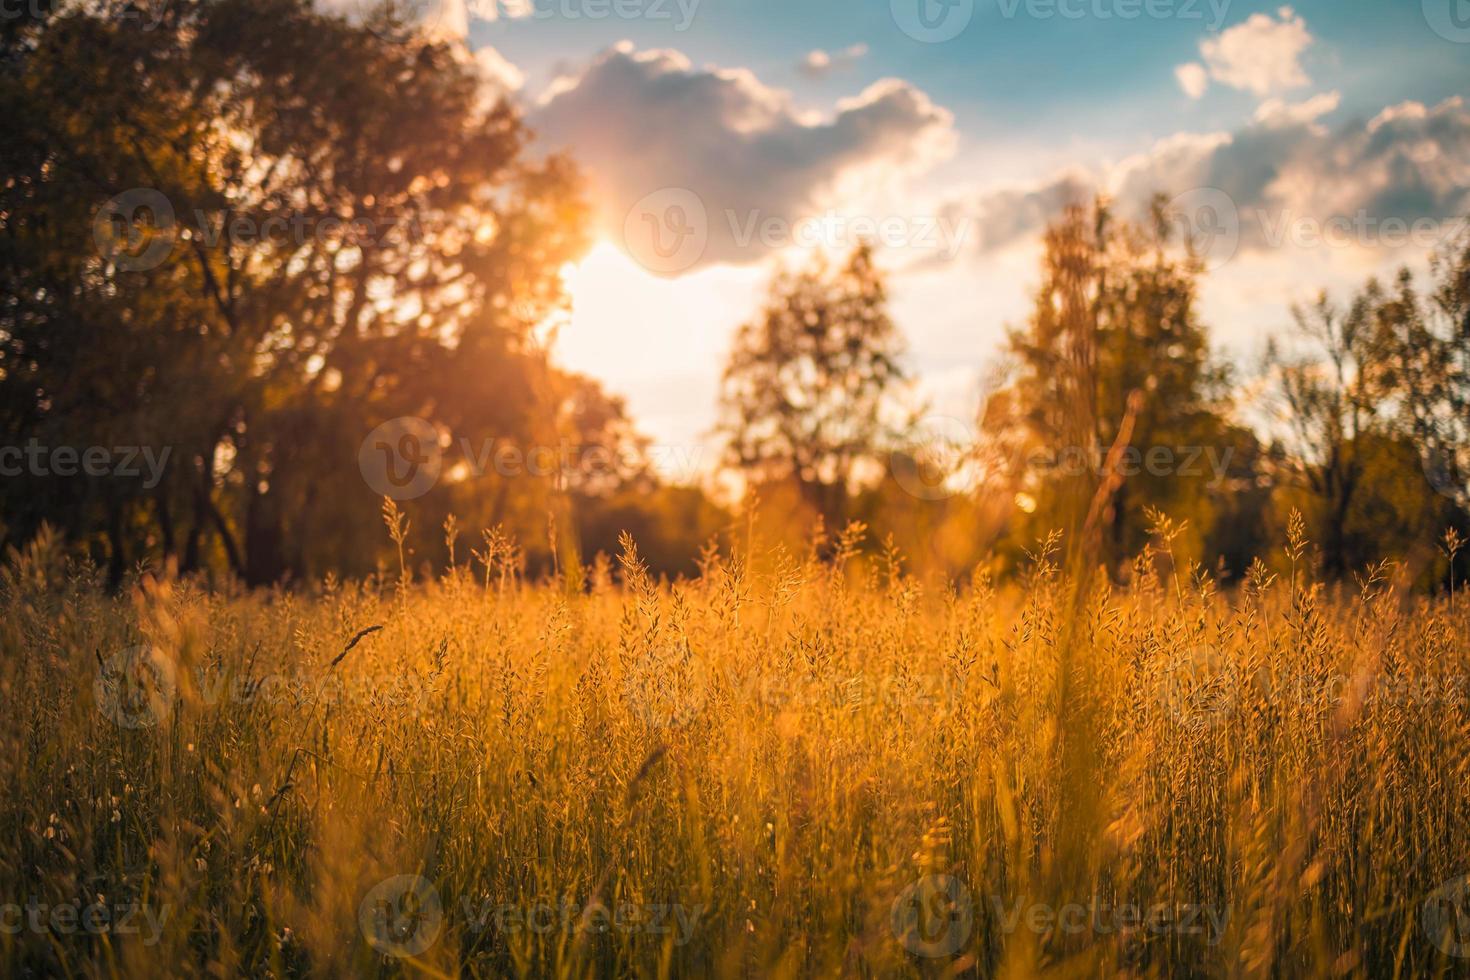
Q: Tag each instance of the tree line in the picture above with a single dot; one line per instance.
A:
(1109, 416)
(242, 237)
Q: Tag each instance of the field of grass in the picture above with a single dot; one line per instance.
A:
(783, 768)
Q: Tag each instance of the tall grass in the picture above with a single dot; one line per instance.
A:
(786, 767)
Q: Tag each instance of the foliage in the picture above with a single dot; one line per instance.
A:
(1114, 345)
(356, 234)
(808, 391)
(1375, 396)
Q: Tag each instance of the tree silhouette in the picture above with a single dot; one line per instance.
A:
(808, 390)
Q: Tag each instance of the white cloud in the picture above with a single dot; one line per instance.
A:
(1261, 55)
(1410, 163)
(1193, 79)
(501, 9)
(1278, 112)
(818, 64)
(499, 74)
(643, 122)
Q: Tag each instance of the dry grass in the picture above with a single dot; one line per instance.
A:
(799, 768)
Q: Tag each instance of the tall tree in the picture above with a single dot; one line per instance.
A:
(1113, 357)
(335, 229)
(1377, 398)
(809, 390)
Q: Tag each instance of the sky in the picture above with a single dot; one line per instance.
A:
(1306, 147)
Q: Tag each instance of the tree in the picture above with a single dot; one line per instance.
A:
(1114, 357)
(809, 389)
(1376, 396)
(1332, 403)
(335, 230)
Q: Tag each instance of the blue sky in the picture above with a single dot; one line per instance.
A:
(1301, 116)
(1060, 78)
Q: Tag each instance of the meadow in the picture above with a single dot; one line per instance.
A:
(789, 766)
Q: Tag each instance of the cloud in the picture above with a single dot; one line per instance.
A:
(1193, 79)
(500, 75)
(1005, 216)
(818, 64)
(1282, 171)
(1261, 56)
(1278, 112)
(641, 123)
